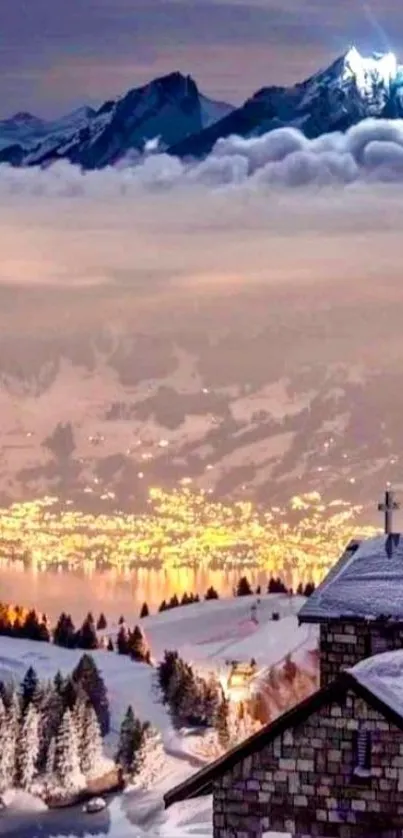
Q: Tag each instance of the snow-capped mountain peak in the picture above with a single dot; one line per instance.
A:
(188, 124)
(377, 68)
(372, 76)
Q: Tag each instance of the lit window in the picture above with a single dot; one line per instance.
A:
(362, 753)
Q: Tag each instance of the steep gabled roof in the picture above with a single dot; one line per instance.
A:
(202, 782)
(366, 583)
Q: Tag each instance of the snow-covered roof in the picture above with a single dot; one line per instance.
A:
(366, 582)
(383, 676)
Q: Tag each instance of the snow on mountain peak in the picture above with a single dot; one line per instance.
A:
(372, 75)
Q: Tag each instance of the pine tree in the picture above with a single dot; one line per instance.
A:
(65, 633)
(101, 624)
(139, 649)
(122, 641)
(44, 632)
(4, 779)
(144, 611)
(86, 637)
(222, 724)
(173, 602)
(78, 713)
(212, 699)
(243, 587)
(110, 645)
(211, 593)
(129, 741)
(52, 709)
(148, 758)
(166, 668)
(30, 689)
(91, 754)
(50, 761)
(67, 763)
(30, 626)
(69, 693)
(88, 677)
(8, 743)
(28, 747)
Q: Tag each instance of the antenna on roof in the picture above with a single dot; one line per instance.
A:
(388, 506)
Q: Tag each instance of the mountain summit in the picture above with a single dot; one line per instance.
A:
(350, 90)
(171, 114)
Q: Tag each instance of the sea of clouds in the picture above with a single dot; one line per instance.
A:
(369, 152)
(278, 208)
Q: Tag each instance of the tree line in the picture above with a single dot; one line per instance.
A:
(15, 621)
(29, 625)
(275, 585)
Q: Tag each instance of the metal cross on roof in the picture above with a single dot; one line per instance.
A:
(388, 506)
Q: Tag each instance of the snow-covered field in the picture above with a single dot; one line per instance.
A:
(206, 634)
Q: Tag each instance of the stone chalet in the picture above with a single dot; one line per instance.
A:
(333, 765)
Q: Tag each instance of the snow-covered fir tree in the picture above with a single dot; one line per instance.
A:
(149, 758)
(139, 649)
(28, 747)
(222, 724)
(213, 694)
(30, 689)
(50, 760)
(4, 736)
(87, 676)
(78, 713)
(51, 712)
(67, 762)
(8, 742)
(129, 741)
(90, 746)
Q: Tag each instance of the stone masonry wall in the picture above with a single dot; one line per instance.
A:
(343, 644)
(303, 782)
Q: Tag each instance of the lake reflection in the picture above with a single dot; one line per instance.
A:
(111, 591)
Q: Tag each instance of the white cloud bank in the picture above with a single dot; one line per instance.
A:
(371, 151)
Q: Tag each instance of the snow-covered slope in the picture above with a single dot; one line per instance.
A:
(167, 109)
(205, 634)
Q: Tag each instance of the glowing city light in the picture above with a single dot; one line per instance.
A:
(183, 529)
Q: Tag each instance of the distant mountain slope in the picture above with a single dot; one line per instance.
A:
(171, 112)
(169, 109)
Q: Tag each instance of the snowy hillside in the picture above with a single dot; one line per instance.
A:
(206, 634)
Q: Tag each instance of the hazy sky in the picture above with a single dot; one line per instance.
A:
(54, 54)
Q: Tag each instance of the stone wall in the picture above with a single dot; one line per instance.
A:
(343, 644)
(303, 782)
